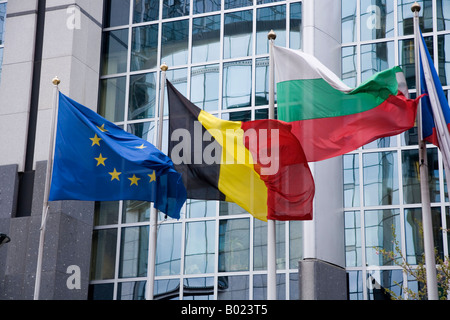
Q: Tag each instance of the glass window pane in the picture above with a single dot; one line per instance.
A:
(355, 285)
(112, 99)
(411, 181)
(352, 232)
(375, 58)
(444, 58)
(168, 249)
(270, 18)
(198, 288)
(200, 208)
(117, 13)
(144, 47)
(2, 22)
(348, 24)
(377, 19)
(380, 226)
(295, 26)
(145, 10)
(131, 290)
(378, 281)
(262, 83)
(178, 78)
(103, 254)
(174, 43)
(295, 243)
(134, 252)
(260, 287)
(114, 51)
(238, 34)
(106, 212)
(144, 130)
(349, 66)
(101, 291)
(205, 87)
(206, 39)
(234, 245)
(237, 116)
(175, 8)
(260, 245)
(380, 177)
(167, 289)
(443, 14)
(405, 17)
(230, 4)
(237, 84)
(135, 211)
(142, 100)
(409, 137)
(201, 6)
(233, 288)
(199, 255)
(406, 59)
(351, 180)
(385, 142)
(230, 208)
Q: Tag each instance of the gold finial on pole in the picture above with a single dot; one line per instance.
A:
(415, 7)
(164, 67)
(56, 81)
(271, 35)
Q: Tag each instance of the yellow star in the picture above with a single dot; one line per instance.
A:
(100, 160)
(95, 140)
(102, 128)
(115, 175)
(141, 147)
(152, 176)
(134, 180)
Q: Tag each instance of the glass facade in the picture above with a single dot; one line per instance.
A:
(3, 5)
(217, 53)
(381, 180)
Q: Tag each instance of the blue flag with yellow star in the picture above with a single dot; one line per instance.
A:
(95, 160)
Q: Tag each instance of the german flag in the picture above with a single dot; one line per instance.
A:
(259, 165)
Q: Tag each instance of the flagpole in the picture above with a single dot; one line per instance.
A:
(430, 261)
(154, 213)
(37, 285)
(271, 225)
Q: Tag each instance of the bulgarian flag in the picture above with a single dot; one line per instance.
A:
(259, 165)
(328, 117)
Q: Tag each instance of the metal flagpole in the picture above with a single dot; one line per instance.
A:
(271, 225)
(430, 262)
(37, 285)
(154, 213)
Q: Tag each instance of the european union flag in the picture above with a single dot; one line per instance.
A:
(95, 160)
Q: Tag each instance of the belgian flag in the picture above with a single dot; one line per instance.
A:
(259, 165)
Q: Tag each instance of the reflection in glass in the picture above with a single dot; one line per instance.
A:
(112, 99)
(114, 51)
(406, 16)
(103, 254)
(230, 208)
(144, 47)
(237, 40)
(131, 290)
(237, 88)
(444, 58)
(117, 13)
(205, 87)
(352, 234)
(260, 287)
(295, 26)
(349, 66)
(234, 245)
(351, 180)
(355, 285)
(380, 178)
(233, 288)
(377, 281)
(198, 288)
(106, 212)
(142, 96)
(167, 289)
(375, 58)
(199, 247)
(2, 23)
(377, 19)
(237, 116)
(380, 226)
(174, 43)
(135, 211)
(175, 8)
(295, 243)
(384, 142)
(1, 62)
(201, 6)
(270, 18)
(206, 39)
(133, 252)
(230, 4)
(443, 15)
(260, 245)
(145, 10)
(262, 83)
(293, 286)
(144, 130)
(406, 59)
(348, 23)
(168, 249)
(104, 291)
(200, 208)
(409, 137)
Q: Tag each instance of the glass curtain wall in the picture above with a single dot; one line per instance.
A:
(381, 180)
(217, 53)
(3, 5)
